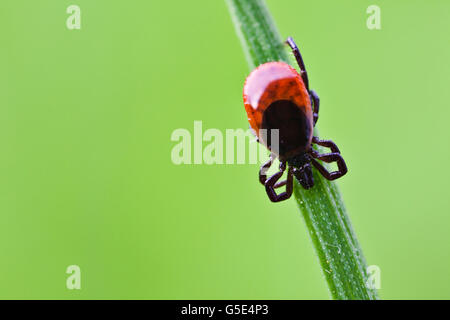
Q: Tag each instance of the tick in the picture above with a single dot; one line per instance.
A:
(276, 96)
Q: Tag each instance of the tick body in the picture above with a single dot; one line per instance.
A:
(276, 96)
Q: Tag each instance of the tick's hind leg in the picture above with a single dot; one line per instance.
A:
(299, 59)
(333, 156)
(314, 97)
(316, 104)
(273, 183)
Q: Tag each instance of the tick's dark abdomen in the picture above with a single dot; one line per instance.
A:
(292, 124)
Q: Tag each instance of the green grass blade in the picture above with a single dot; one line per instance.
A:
(340, 255)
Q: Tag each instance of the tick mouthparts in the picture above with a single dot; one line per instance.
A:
(304, 176)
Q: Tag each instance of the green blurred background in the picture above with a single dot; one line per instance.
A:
(86, 174)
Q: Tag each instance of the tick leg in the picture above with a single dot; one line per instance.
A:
(316, 103)
(264, 168)
(333, 156)
(299, 59)
(326, 143)
(329, 157)
(314, 97)
(271, 184)
(280, 184)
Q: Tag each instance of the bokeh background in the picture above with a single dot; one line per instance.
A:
(86, 176)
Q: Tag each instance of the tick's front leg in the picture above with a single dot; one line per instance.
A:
(264, 168)
(271, 184)
(334, 156)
